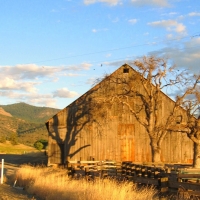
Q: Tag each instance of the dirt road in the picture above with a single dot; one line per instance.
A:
(11, 163)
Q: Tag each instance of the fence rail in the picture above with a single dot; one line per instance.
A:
(165, 177)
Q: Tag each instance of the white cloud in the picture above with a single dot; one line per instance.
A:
(20, 83)
(86, 66)
(193, 14)
(132, 21)
(170, 36)
(28, 71)
(161, 3)
(32, 71)
(187, 57)
(73, 75)
(169, 25)
(7, 83)
(180, 28)
(91, 80)
(30, 98)
(12, 95)
(48, 101)
(116, 64)
(173, 13)
(64, 93)
(181, 17)
(99, 30)
(80, 67)
(170, 14)
(11, 84)
(110, 2)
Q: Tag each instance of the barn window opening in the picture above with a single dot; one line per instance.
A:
(126, 70)
(179, 119)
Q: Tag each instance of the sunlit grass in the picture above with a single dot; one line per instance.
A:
(8, 148)
(51, 184)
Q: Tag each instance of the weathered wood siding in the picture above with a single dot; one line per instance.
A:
(91, 128)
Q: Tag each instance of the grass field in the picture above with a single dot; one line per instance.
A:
(8, 148)
(51, 183)
(47, 183)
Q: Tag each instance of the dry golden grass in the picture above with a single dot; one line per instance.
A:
(51, 184)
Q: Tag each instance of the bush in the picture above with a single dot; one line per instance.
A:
(3, 139)
(44, 142)
(38, 145)
(13, 139)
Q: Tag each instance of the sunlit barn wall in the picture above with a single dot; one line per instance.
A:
(91, 128)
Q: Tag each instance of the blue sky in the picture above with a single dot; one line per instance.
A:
(53, 51)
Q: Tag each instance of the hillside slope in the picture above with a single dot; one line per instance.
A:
(26, 121)
(29, 113)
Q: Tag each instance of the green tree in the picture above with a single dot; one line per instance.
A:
(44, 142)
(38, 145)
(13, 139)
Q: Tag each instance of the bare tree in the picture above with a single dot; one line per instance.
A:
(155, 77)
(190, 101)
(140, 94)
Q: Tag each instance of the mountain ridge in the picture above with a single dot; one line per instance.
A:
(25, 121)
(29, 113)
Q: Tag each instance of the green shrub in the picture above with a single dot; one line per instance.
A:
(44, 142)
(13, 139)
(38, 145)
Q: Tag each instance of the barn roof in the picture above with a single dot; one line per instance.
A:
(124, 66)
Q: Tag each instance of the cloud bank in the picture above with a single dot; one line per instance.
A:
(110, 2)
(169, 25)
(22, 82)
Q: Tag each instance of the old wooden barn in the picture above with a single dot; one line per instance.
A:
(96, 127)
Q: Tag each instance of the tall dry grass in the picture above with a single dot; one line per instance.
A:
(51, 184)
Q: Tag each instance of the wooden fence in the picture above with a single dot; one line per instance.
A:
(165, 177)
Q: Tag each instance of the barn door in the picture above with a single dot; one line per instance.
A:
(126, 136)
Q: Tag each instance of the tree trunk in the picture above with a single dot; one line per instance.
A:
(155, 151)
(196, 161)
(62, 157)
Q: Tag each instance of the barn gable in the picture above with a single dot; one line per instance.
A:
(96, 127)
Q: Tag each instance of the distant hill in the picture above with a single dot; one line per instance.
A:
(30, 113)
(25, 120)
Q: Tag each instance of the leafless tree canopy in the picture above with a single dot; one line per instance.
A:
(158, 76)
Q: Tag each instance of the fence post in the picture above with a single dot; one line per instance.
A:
(2, 166)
